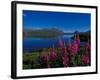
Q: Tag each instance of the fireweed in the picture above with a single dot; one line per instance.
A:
(85, 59)
(52, 55)
(73, 47)
(68, 54)
(65, 58)
(60, 42)
(86, 55)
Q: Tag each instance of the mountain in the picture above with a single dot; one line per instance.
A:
(84, 36)
(42, 33)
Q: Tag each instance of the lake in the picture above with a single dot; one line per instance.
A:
(32, 44)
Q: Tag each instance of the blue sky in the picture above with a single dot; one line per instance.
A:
(64, 21)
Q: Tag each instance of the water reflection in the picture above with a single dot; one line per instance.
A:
(31, 44)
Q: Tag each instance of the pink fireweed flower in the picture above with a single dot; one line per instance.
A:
(60, 42)
(52, 55)
(85, 59)
(65, 57)
(65, 61)
(65, 50)
(74, 48)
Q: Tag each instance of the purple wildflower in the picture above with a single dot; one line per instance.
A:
(65, 57)
(85, 59)
(52, 55)
(74, 47)
(60, 42)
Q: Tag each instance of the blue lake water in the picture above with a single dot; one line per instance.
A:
(31, 44)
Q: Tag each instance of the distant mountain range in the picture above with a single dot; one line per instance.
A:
(84, 36)
(47, 33)
(42, 33)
